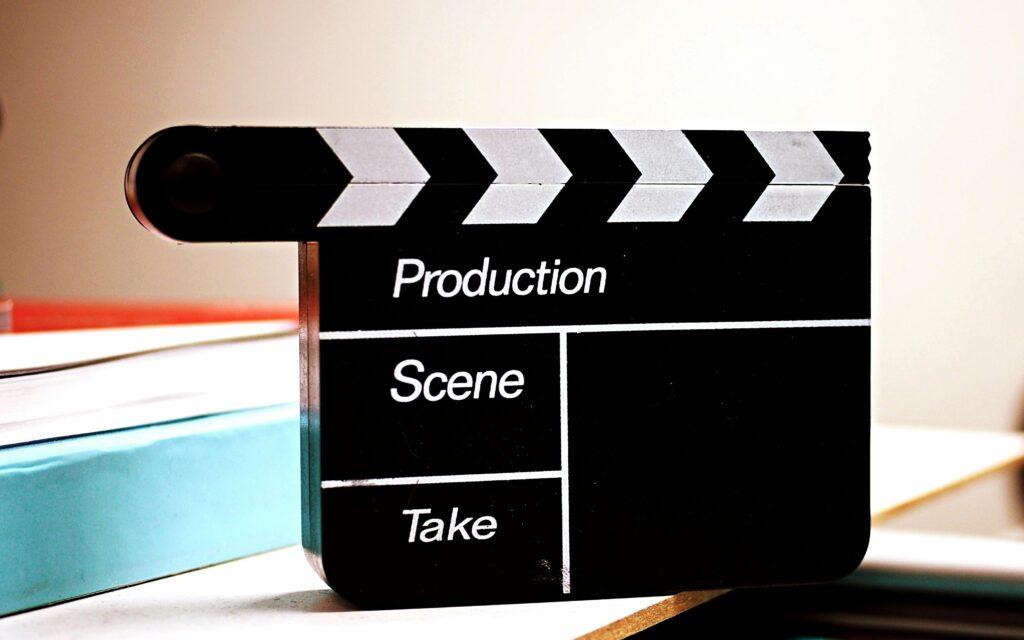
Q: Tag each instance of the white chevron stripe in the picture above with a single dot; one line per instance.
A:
(796, 157)
(789, 203)
(656, 203)
(375, 155)
(520, 156)
(663, 156)
(513, 204)
(370, 205)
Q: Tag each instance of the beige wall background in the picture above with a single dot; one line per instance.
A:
(938, 84)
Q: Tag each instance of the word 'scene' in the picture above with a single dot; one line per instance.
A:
(433, 529)
(457, 386)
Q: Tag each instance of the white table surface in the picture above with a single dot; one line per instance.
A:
(277, 595)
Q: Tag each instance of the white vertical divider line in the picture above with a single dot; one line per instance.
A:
(563, 412)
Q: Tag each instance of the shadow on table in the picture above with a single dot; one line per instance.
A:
(315, 601)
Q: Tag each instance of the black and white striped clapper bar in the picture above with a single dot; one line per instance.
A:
(557, 364)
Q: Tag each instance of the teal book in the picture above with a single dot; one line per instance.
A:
(89, 513)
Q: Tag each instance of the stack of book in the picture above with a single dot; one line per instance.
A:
(134, 453)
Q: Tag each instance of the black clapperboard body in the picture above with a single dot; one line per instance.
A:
(559, 364)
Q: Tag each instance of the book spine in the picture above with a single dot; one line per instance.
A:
(87, 514)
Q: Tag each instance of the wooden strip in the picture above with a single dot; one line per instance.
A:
(652, 615)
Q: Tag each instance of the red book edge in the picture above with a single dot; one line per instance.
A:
(24, 315)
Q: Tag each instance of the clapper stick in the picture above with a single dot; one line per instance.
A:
(549, 364)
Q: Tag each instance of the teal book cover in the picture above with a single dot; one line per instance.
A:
(87, 514)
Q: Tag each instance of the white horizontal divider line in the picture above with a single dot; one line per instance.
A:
(468, 477)
(591, 328)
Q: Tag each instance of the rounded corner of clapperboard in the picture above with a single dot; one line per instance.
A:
(848, 555)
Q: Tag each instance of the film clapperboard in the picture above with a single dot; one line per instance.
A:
(558, 364)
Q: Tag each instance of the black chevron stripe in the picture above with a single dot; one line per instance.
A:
(278, 161)
(844, 202)
(585, 204)
(731, 156)
(850, 151)
(442, 204)
(271, 156)
(592, 155)
(459, 176)
(738, 176)
(448, 155)
(722, 203)
(602, 175)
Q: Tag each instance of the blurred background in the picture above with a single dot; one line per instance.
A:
(938, 84)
